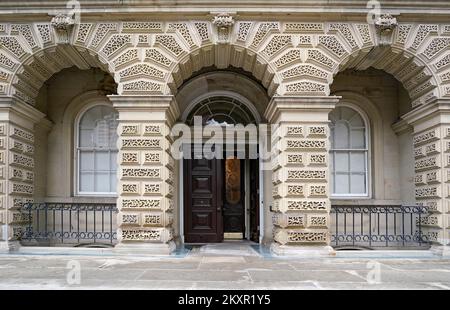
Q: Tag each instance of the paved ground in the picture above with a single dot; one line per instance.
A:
(219, 267)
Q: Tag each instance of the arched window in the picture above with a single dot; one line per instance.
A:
(349, 153)
(96, 147)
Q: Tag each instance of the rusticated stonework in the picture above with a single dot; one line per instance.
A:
(16, 169)
(146, 174)
(431, 148)
(300, 174)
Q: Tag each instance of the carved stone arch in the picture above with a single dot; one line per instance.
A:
(223, 56)
(35, 69)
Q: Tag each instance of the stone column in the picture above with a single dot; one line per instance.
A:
(431, 141)
(17, 121)
(145, 173)
(301, 201)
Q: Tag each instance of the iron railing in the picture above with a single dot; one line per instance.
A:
(69, 223)
(374, 227)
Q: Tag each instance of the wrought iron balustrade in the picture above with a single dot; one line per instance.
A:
(69, 223)
(377, 227)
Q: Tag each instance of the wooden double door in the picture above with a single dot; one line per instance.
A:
(214, 200)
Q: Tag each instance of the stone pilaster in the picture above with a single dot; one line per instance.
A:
(431, 142)
(301, 202)
(145, 173)
(17, 121)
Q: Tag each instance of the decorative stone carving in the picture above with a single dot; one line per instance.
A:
(224, 22)
(244, 31)
(183, 30)
(291, 57)
(13, 46)
(385, 26)
(63, 24)
(202, 30)
(170, 44)
(422, 32)
(26, 32)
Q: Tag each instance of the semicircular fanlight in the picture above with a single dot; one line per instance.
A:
(221, 110)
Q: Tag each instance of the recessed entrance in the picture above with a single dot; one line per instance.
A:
(221, 200)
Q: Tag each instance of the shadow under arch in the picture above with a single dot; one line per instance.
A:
(411, 70)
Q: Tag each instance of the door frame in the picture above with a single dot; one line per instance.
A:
(181, 198)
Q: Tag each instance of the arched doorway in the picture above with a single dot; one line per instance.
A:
(221, 193)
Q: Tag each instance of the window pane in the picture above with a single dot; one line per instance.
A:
(113, 181)
(86, 138)
(98, 130)
(358, 162)
(86, 161)
(102, 161)
(356, 120)
(346, 113)
(342, 183)
(86, 182)
(358, 139)
(341, 136)
(102, 182)
(341, 162)
(358, 182)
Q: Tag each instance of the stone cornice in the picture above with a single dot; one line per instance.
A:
(263, 8)
(427, 111)
(299, 104)
(21, 109)
(165, 104)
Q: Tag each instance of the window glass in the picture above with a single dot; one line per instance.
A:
(348, 153)
(97, 151)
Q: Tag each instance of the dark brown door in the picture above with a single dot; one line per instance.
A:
(203, 200)
(233, 202)
(254, 200)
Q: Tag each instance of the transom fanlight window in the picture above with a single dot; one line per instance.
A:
(97, 150)
(349, 153)
(221, 110)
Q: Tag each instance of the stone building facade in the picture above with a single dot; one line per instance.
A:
(360, 96)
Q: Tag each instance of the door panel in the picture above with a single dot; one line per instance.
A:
(202, 200)
(233, 205)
